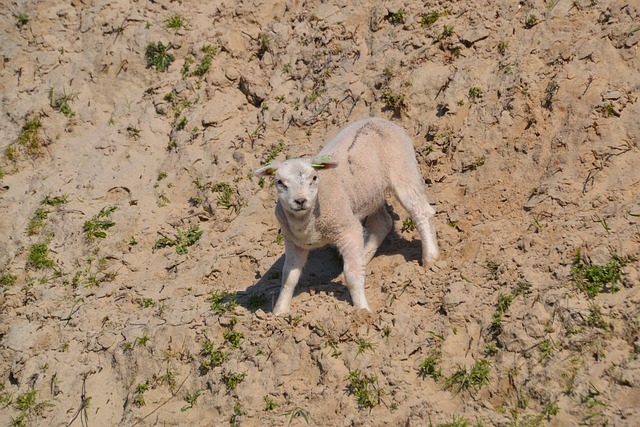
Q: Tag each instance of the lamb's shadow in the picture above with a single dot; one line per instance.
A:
(321, 272)
(323, 267)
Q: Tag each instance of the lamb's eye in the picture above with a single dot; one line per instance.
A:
(315, 178)
(280, 183)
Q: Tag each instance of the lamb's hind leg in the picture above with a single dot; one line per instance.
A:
(414, 200)
(377, 227)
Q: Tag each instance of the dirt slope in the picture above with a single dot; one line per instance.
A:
(140, 257)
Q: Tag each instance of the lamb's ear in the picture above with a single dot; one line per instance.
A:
(324, 162)
(268, 170)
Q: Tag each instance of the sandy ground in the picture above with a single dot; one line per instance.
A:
(140, 258)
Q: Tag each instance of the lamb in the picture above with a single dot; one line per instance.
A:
(346, 206)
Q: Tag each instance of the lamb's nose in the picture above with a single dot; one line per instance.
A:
(300, 202)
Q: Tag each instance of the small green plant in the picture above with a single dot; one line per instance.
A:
(96, 227)
(27, 404)
(475, 378)
(530, 21)
(502, 47)
(158, 56)
(29, 141)
(394, 101)
(475, 93)
(407, 225)
(447, 31)
(608, 110)
(63, 102)
(398, 17)
(272, 152)
(493, 268)
(456, 422)
(222, 302)
(595, 279)
(297, 412)
(36, 223)
(38, 257)
(504, 301)
(147, 302)
(55, 201)
(227, 197)
(191, 397)
(181, 241)
(429, 368)
(233, 338)
(550, 409)
(176, 23)
(547, 348)
(231, 380)
(22, 19)
(475, 164)
(138, 395)
(206, 61)
(429, 19)
(269, 403)
(364, 345)
(7, 280)
(365, 389)
(212, 357)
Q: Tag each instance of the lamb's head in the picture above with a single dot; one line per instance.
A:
(297, 182)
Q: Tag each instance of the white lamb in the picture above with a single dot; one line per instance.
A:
(319, 206)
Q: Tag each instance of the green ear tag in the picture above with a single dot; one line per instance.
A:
(322, 159)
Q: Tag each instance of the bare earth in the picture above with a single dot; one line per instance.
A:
(525, 121)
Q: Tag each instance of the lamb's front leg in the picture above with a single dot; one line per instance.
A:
(294, 260)
(351, 247)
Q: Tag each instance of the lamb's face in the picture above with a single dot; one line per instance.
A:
(297, 184)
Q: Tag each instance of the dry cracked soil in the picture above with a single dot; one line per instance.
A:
(140, 258)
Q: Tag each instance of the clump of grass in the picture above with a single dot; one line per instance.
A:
(530, 21)
(364, 345)
(398, 17)
(365, 389)
(407, 225)
(55, 201)
(29, 138)
(227, 197)
(233, 338)
(475, 164)
(430, 367)
(158, 56)
(176, 22)
(22, 19)
(475, 378)
(36, 223)
(595, 279)
(269, 403)
(429, 19)
(96, 227)
(205, 63)
(63, 102)
(138, 395)
(181, 241)
(272, 152)
(504, 301)
(475, 93)
(394, 101)
(191, 397)
(222, 302)
(7, 280)
(212, 357)
(231, 380)
(38, 257)
(27, 403)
